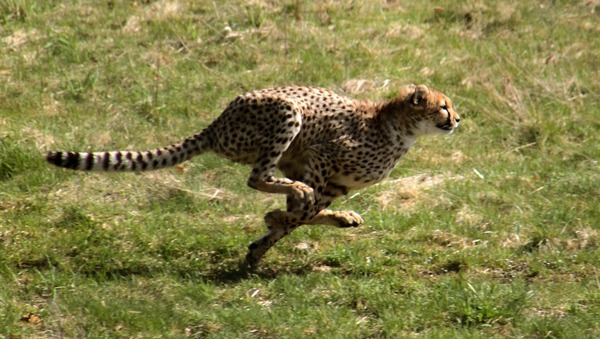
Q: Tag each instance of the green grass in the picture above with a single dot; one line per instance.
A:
(495, 235)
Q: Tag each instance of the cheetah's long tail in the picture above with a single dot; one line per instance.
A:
(128, 161)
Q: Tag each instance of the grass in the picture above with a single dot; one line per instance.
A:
(495, 232)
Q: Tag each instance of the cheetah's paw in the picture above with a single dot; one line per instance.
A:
(348, 219)
(304, 192)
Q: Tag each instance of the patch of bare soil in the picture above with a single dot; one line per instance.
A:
(405, 192)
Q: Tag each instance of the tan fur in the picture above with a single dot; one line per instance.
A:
(326, 145)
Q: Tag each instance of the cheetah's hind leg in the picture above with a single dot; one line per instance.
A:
(299, 211)
(289, 123)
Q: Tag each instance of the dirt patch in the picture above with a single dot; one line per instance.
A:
(354, 87)
(158, 11)
(19, 38)
(410, 32)
(404, 193)
(581, 239)
(447, 239)
(467, 217)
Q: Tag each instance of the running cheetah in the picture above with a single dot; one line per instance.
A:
(326, 145)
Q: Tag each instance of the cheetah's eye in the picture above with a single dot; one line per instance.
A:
(444, 108)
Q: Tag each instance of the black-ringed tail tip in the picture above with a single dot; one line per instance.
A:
(123, 161)
(105, 161)
(67, 159)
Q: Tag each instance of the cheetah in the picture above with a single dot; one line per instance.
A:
(324, 144)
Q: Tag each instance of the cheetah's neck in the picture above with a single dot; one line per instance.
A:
(395, 123)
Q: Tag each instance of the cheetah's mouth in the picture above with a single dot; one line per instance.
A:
(446, 127)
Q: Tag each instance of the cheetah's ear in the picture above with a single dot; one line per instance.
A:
(420, 94)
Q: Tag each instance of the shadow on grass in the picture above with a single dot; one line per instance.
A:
(227, 272)
(232, 274)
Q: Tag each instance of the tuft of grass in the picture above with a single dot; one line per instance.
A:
(490, 232)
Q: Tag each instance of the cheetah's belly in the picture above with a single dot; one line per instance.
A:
(355, 181)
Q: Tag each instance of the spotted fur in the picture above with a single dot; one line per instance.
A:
(326, 145)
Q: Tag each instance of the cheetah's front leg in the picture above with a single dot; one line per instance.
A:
(341, 219)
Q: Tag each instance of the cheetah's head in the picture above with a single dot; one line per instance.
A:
(434, 109)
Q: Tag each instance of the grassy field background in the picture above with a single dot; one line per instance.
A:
(490, 232)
